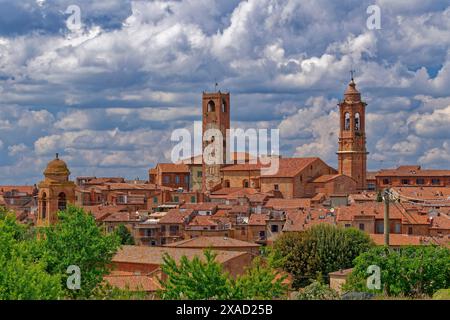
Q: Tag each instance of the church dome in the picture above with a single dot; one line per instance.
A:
(57, 168)
(351, 93)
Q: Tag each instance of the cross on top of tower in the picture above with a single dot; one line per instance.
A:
(352, 73)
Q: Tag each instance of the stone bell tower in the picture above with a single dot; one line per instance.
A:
(55, 192)
(216, 115)
(352, 154)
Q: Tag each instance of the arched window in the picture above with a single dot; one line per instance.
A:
(224, 106)
(347, 121)
(357, 122)
(62, 203)
(211, 106)
(44, 206)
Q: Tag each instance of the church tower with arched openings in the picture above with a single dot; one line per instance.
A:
(55, 192)
(216, 115)
(352, 154)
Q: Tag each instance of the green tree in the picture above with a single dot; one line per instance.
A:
(195, 279)
(411, 271)
(22, 277)
(124, 235)
(317, 291)
(198, 279)
(77, 240)
(320, 250)
(107, 292)
(260, 282)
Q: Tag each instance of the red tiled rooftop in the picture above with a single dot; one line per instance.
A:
(154, 255)
(374, 209)
(203, 221)
(285, 204)
(221, 213)
(212, 242)
(21, 189)
(397, 239)
(257, 219)
(288, 167)
(424, 193)
(326, 178)
(173, 168)
(122, 217)
(100, 212)
(176, 216)
(407, 171)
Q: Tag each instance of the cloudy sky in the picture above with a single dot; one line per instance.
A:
(107, 96)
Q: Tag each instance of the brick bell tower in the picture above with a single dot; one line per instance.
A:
(55, 192)
(352, 154)
(216, 115)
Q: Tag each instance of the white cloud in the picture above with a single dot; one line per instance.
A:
(17, 149)
(111, 94)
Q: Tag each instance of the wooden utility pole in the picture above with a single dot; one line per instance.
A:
(386, 217)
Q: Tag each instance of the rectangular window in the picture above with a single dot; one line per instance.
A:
(176, 199)
(276, 187)
(386, 181)
(199, 174)
(420, 181)
(361, 226)
(380, 227)
(405, 181)
(193, 199)
(398, 228)
(348, 225)
(410, 230)
(435, 181)
(177, 179)
(274, 228)
(166, 179)
(155, 199)
(173, 230)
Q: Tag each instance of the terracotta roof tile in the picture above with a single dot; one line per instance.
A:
(176, 216)
(154, 255)
(416, 171)
(21, 189)
(212, 242)
(327, 177)
(173, 168)
(397, 239)
(257, 219)
(285, 204)
(288, 167)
